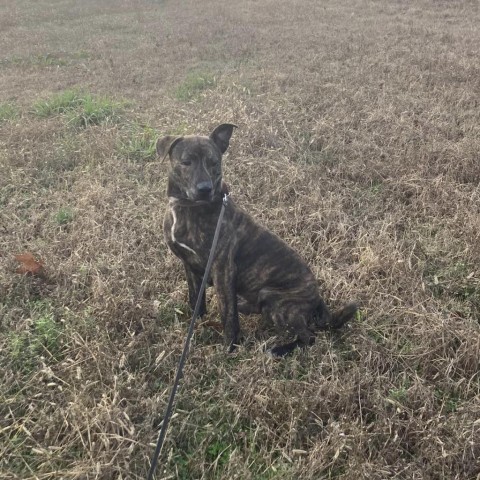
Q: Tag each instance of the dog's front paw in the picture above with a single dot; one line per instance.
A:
(233, 343)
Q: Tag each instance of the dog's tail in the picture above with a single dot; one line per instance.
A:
(344, 315)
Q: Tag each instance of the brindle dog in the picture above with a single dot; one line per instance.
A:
(253, 271)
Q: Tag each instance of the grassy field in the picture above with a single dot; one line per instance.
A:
(358, 143)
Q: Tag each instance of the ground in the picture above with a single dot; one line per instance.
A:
(358, 143)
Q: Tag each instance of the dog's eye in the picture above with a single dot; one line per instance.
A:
(186, 163)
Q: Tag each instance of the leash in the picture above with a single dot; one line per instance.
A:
(186, 346)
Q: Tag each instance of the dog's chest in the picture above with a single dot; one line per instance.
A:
(185, 234)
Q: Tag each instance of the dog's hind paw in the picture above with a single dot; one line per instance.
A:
(281, 351)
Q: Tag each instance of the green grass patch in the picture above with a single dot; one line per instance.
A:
(82, 109)
(49, 59)
(139, 144)
(8, 111)
(448, 400)
(455, 282)
(64, 216)
(95, 111)
(58, 104)
(42, 339)
(399, 395)
(193, 84)
(218, 452)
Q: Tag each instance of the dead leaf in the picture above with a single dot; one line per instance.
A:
(29, 266)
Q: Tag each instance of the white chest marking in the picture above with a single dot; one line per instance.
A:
(172, 230)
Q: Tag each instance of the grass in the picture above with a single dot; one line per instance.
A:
(95, 111)
(357, 144)
(138, 144)
(64, 102)
(8, 111)
(64, 216)
(194, 84)
(50, 59)
(82, 109)
(41, 341)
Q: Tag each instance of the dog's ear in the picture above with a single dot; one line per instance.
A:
(221, 135)
(165, 145)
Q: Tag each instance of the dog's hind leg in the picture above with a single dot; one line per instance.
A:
(304, 339)
(247, 308)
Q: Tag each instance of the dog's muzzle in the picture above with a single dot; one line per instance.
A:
(204, 190)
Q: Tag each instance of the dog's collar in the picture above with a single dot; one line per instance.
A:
(184, 202)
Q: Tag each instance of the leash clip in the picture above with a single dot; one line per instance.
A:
(225, 199)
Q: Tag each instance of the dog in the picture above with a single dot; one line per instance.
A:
(253, 270)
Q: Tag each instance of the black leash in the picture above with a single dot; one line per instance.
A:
(186, 346)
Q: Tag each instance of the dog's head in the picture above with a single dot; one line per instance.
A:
(196, 164)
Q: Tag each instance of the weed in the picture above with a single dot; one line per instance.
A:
(360, 316)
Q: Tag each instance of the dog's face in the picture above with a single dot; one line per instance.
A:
(196, 164)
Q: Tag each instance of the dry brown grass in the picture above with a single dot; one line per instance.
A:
(358, 144)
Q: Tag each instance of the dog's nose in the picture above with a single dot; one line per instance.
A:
(204, 187)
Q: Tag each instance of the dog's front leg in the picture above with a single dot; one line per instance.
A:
(194, 281)
(224, 279)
